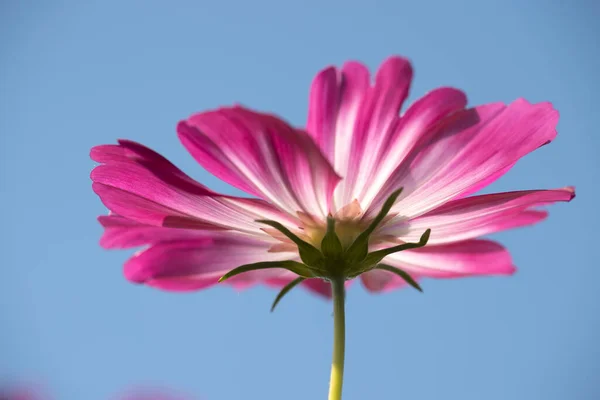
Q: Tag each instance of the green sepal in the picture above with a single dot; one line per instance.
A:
(359, 249)
(372, 259)
(293, 266)
(285, 290)
(402, 274)
(331, 246)
(309, 254)
(376, 256)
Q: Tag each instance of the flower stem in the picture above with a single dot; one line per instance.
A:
(339, 339)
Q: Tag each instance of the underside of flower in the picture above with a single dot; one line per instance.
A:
(325, 204)
(320, 190)
(324, 255)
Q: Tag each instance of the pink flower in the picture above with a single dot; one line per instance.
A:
(355, 152)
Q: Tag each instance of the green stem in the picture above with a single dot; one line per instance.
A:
(339, 339)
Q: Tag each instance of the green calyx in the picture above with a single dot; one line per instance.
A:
(332, 260)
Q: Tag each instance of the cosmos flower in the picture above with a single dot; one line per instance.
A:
(362, 191)
(354, 153)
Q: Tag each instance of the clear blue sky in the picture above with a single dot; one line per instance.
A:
(74, 74)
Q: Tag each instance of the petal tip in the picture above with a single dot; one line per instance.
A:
(330, 72)
(132, 272)
(571, 191)
(182, 128)
(93, 152)
(511, 270)
(397, 62)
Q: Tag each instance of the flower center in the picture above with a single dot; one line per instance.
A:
(346, 230)
(340, 249)
(349, 223)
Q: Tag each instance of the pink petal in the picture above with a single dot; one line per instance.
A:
(334, 105)
(476, 216)
(263, 156)
(198, 263)
(467, 151)
(123, 233)
(141, 185)
(357, 124)
(419, 119)
(381, 281)
(134, 153)
(467, 258)
(318, 286)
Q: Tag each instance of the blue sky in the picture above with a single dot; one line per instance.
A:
(76, 74)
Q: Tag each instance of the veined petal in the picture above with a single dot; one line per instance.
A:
(335, 102)
(131, 152)
(139, 184)
(461, 259)
(198, 263)
(374, 126)
(263, 156)
(476, 216)
(467, 151)
(124, 233)
(353, 122)
(420, 118)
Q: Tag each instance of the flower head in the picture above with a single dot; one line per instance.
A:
(328, 195)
